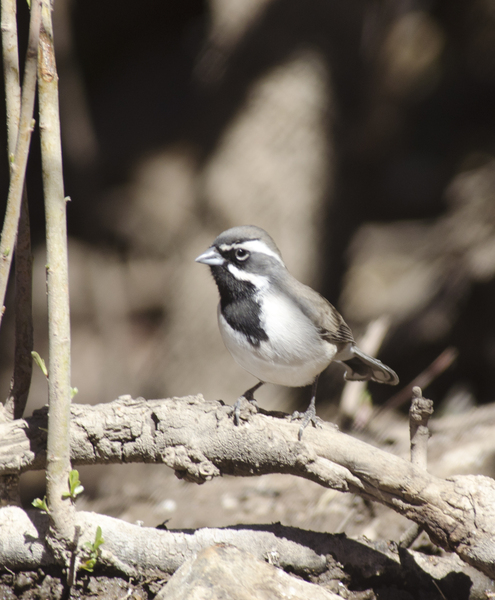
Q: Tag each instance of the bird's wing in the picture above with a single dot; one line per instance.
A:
(326, 318)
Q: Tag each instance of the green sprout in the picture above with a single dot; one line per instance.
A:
(75, 487)
(40, 362)
(41, 504)
(94, 551)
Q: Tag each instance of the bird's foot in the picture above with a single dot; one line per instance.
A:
(236, 409)
(249, 396)
(307, 417)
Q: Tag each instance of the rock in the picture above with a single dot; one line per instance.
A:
(223, 571)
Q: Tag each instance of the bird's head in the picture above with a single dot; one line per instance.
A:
(242, 258)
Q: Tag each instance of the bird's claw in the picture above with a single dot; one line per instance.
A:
(306, 417)
(236, 409)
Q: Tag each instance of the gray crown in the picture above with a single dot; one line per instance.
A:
(245, 233)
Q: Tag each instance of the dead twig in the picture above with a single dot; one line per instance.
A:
(419, 414)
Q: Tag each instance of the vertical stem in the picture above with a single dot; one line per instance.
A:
(11, 71)
(18, 169)
(23, 363)
(419, 414)
(58, 443)
(21, 379)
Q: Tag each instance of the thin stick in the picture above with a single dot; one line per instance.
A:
(351, 403)
(19, 163)
(11, 72)
(62, 512)
(23, 365)
(419, 414)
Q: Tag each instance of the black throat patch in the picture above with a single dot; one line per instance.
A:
(239, 306)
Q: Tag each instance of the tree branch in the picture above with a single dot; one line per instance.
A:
(199, 441)
(135, 550)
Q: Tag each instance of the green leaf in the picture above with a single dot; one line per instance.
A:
(41, 504)
(40, 362)
(88, 565)
(74, 479)
(75, 487)
(98, 538)
(93, 549)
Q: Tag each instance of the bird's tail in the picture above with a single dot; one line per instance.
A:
(361, 367)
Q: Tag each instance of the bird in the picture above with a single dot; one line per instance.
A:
(277, 328)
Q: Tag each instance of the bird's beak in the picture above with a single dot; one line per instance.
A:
(210, 257)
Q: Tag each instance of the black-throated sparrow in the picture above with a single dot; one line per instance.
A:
(278, 329)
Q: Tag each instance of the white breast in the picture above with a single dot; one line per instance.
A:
(294, 353)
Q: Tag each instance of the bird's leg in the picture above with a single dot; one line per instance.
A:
(309, 416)
(249, 396)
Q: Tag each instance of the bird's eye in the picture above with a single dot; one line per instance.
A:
(241, 254)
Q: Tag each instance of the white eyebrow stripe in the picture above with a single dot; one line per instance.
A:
(259, 246)
(259, 281)
(225, 247)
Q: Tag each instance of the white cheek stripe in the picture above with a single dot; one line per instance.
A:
(259, 281)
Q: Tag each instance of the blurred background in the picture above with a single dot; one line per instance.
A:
(359, 134)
